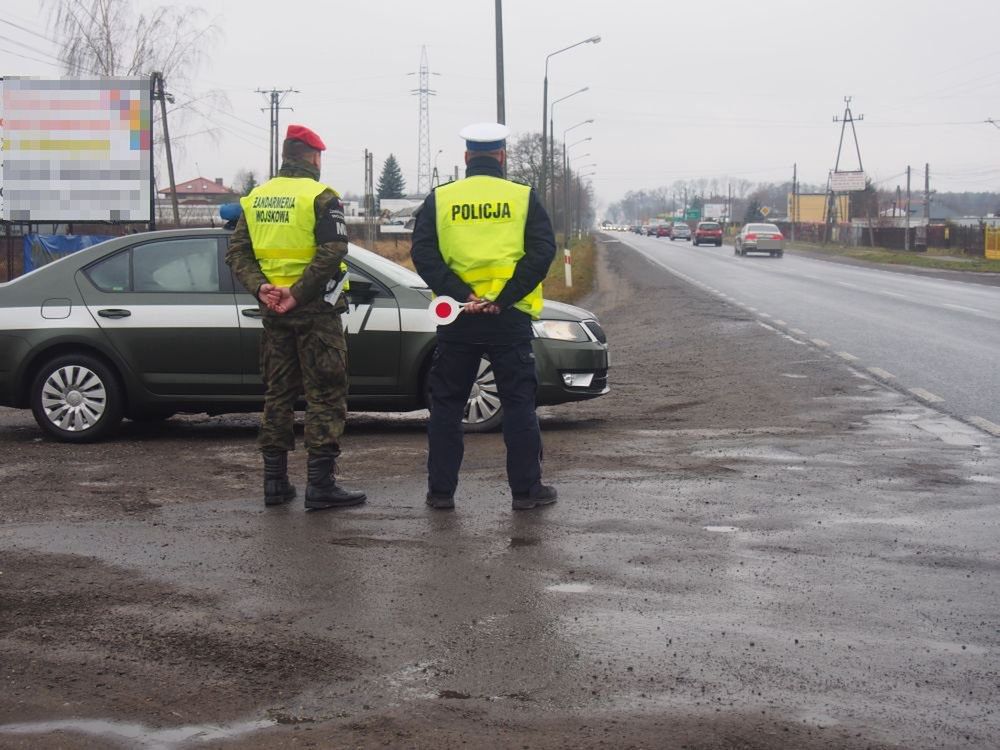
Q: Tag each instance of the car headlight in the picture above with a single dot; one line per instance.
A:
(563, 330)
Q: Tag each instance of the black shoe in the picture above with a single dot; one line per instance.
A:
(277, 489)
(333, 496)
(322, 491)
(439, 501)
(540, 494)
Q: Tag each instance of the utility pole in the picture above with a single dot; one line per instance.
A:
(369, 199)
(848, 118)
(927, 194)
(906, 235)
(424, 91)
(501, 109)
(795, 199)
(163, 97)
(275, 99)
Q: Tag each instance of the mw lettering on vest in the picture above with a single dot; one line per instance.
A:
(480, 211)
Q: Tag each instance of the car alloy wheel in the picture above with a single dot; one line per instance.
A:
(483, 412)
(75, 398)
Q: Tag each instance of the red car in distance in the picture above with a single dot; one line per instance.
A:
(707, 232)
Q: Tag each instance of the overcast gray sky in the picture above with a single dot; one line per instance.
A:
(678, 90)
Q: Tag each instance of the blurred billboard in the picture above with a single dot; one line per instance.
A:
(75, 150)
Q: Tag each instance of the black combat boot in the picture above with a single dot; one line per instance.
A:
(540, 494)
(322, 490)
(277, 488)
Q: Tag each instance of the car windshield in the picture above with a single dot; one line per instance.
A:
(708, 225)
(680, 225)
(763, 228)
(394, 271)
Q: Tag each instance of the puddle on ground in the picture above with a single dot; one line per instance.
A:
(569, 588)
(139, 735)
(722, 529)
(983, 478)
(523, 541)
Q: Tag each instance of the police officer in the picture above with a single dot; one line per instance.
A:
(488, 242)
(288, 245)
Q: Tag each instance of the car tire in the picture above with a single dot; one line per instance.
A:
(719, 243)
(76, 398)
(781, 253)
(694, 244)
(483, 405)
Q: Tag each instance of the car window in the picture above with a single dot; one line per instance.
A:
(110, 274)
(185, 265)
(762, 228)
(708, 225)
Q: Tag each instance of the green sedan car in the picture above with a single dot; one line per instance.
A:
(150, 325)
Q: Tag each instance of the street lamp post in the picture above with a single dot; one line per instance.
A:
(552, 145)
(579, 197)
(545, 106)
(565, 220)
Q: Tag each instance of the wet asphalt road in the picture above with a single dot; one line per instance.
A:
(937, 337)
(756, 546)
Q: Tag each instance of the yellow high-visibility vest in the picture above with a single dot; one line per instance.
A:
(281, 217)
(480, 227)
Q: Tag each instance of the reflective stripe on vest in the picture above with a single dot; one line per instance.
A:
(480, 227)
(281, 217)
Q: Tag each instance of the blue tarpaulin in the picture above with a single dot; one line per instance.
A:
(40, 249)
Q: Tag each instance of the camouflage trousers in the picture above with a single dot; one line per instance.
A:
(303, 355)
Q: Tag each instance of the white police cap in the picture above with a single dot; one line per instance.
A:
(485, 136)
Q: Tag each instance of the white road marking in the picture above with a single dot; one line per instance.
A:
(894, 294)
(984, 424)
(752, 309)
(926, 396)
(799, 332)
(847, 284)
(765, 315)
(848, 356)
(880, 373)
(821, 343)
(780, 322)
(963, 308)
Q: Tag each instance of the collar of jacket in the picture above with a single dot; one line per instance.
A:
(298, 168)
(483, 165)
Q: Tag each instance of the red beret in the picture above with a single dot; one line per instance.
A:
(307, 136)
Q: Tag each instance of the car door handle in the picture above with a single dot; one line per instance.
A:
(251, 312)
(114, 313)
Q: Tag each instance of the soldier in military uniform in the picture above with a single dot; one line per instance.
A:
(488, 242)
(288, 245)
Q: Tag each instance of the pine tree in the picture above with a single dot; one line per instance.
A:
(390, 183)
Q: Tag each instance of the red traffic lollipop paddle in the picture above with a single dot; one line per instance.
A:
(443, 310)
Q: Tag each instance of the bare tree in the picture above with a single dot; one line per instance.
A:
(109, 38)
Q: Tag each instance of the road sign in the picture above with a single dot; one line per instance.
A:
(692, 214)
(847, 182)
(765, 210)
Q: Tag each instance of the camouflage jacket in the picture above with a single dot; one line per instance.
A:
(331, 249)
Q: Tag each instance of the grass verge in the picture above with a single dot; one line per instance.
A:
(942, 258)
(582, 252)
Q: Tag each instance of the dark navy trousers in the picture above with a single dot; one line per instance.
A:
(452, 374)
